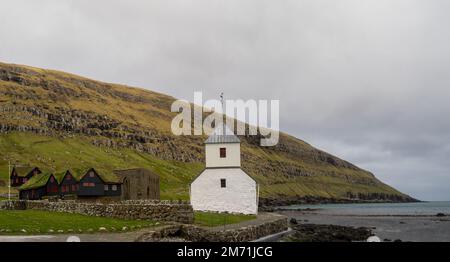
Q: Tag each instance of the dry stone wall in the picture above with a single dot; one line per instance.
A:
(177, 211)
(201, 234)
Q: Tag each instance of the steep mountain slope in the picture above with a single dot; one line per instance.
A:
(57, 120)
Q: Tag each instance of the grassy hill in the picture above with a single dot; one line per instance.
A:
(57, 120)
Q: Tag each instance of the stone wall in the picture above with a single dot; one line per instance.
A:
(202, 234)
(177, 211)
(12, 205)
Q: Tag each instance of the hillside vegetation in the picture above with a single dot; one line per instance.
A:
(57, 120)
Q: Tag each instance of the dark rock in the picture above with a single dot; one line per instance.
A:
(361, 198)
(293, 221)
(398, 240)
(328, 233)
(440, 215)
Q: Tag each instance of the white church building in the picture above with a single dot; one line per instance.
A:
(223, 186)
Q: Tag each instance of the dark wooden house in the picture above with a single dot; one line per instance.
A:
(138, 183)
(94, 184)
(21, 175)
(52, 186)
(39, 186)
(69, 184)
(89, 185)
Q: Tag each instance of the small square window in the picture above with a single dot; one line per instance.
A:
(223, 152)
(106, 187)
(223, 182)
(114, 188)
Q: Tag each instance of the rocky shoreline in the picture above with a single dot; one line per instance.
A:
(274, 204)
(326, 233)
(432, 224)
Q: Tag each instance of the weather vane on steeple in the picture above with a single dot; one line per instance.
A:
(221, 99)
(223, 112)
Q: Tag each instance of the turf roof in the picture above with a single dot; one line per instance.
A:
(40, 180)
(60, 175)
(36, 181)
(107, 177)
(23, 171)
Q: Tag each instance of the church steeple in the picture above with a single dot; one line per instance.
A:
(222, 148)
(223, 186)
(222, 134)
(224, 118)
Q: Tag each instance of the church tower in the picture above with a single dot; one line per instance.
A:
(223, 149)
(223, 186)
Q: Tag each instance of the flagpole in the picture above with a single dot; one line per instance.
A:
(9, 176)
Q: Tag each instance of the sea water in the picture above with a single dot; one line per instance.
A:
(419, 208)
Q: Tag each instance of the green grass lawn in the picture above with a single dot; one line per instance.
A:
(217, 219)
(42, 222)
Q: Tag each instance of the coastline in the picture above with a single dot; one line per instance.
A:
(273, 204)
(405, 224)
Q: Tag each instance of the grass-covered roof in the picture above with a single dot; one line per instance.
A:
(23, 171)
(40, 180)
(107, 177)
(59, 176)
(36, 181)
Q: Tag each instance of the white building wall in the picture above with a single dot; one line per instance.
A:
(239, 196)
(212, 155)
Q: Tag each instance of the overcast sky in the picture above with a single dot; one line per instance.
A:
(368, 81)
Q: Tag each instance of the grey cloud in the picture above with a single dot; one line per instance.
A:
(365, 80)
